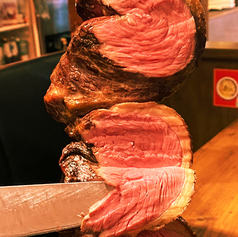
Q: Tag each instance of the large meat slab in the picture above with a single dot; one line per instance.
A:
(132, 51)
(144, 151)
(124, 59)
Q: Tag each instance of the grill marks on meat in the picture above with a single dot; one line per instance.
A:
(142, 53)
(143, 150)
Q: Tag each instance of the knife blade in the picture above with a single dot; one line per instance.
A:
(28, 210)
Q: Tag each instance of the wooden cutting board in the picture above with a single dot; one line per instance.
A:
(214, 207)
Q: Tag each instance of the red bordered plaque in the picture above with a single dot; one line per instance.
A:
(225, 92)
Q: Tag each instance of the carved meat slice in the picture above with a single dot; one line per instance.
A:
(131, 51)
(144, 151)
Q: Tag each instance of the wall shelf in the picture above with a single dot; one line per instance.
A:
(25, 31)
(13, 27)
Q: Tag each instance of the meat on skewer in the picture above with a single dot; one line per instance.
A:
(125, 55)
(139, 51)
(144, 151)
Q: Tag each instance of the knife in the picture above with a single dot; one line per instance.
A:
(28, 210)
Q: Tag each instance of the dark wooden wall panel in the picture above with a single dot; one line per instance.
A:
(194, 101)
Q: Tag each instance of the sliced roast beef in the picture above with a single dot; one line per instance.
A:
(144, 199)
(144, 151)
(132, 51)
(129, 51)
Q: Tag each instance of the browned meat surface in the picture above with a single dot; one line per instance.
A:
(92, 8)
(143, 150)
(129, 51)
(140, 51)
(78, 163)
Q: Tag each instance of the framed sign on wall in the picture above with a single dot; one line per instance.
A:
(225, 88)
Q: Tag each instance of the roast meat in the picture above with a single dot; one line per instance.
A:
(130, 51)
(144, 151)
(124, 56)
(78, 163)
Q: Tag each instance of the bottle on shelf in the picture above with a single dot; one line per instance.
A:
(64, 43)
(2, 61)
(7, 51)
(18, 40)
(14, 49)
(24, 49)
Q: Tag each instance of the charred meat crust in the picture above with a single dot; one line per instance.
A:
(87, 126)
(201, 27)
(78, 148)
(89, 80)
(84, 48)
(88, 9)
(78, 163)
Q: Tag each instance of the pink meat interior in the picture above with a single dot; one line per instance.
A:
(129, 140)
(140, 155)
(153, 37)
(141, 196)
